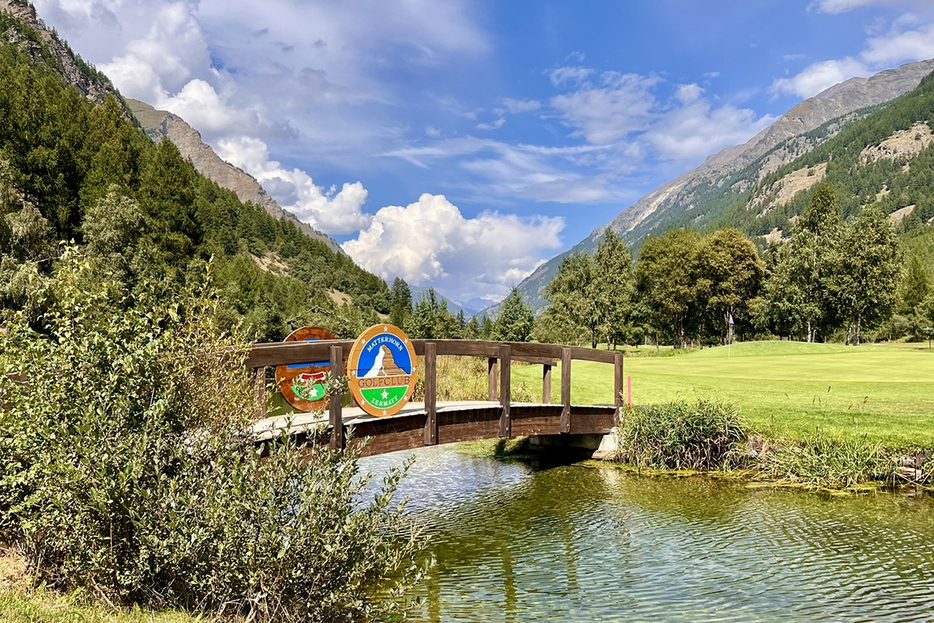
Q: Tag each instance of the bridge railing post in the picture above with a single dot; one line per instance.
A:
(546, 384)
(431, 394)
(337, 401)
(618, 383)
(493, 376)
(505, 376)
(566, 390)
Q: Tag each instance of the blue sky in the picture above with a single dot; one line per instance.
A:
(460, 144)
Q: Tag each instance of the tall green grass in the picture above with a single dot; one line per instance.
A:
(680, 435)
(830, 463)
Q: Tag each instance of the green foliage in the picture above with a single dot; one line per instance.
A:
(591, 296)
(431, 320)
(869, 276)
(914, 286)
(515, 320)
(667, 278)
(820, 461)
(400, 301)
(613, 289)
(732, 275)
(127, 469)
(572, 309)
(680, 435)
(833, 275)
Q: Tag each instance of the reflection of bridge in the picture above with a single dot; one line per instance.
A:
(431, 423)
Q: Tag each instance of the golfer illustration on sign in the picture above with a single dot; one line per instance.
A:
(383, 369)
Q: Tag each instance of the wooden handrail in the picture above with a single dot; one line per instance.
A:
(283, 353)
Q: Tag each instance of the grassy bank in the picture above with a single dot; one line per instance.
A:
(39, 606)
(785, 390)
(19, 604)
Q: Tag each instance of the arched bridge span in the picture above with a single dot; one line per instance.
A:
(430, 422)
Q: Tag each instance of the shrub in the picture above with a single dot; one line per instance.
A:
(127, 470)
(680, 435)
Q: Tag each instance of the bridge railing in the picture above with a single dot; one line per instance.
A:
(499, 355)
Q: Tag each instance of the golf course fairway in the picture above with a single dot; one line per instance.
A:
(790, 390)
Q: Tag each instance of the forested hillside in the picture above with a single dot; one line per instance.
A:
(886, 158)
(75, 171)
(716, 194)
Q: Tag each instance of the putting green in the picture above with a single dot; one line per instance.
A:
(784, 389)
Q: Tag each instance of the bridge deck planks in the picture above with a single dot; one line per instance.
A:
(457, 421)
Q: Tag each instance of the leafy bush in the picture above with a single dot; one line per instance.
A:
(127, 470)
(680, 435)
(834, 463)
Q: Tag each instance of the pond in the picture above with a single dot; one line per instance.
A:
(577, 544)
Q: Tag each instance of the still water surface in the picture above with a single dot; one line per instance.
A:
(572, 544)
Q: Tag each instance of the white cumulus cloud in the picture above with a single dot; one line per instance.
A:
(331, 211)
(906, 39)
(900, 45)
(430, 241)
(697, 130)
(819, 76)
(515, 107)
(835, 7)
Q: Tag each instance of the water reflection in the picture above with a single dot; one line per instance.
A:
(577, 544)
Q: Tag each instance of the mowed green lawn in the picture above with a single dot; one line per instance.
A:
(784, 389)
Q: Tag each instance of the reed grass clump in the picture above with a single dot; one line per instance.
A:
(466, 379)
(680, 435)
(821, 461)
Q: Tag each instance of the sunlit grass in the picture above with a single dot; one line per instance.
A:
(784, 389)
(39, 606)
(19, 604)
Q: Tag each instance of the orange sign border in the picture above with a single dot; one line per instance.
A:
(353, 361)
(303, 406)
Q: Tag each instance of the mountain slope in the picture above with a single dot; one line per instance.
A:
(160, 124)
(72, 169)
(45, 47)
(702, 196)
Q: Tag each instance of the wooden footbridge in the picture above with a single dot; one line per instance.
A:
(431, 423)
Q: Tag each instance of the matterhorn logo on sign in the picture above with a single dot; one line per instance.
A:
(382, 370)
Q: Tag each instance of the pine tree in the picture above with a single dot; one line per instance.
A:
(515, 321)
(400, 302)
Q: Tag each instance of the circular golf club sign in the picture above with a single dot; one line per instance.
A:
(305, 385)
(382, 370)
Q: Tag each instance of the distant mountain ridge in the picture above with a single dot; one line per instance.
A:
(737, 169)
(160, 124)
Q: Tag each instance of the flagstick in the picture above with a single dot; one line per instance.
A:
(729, 341)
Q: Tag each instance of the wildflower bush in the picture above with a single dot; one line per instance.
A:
(127, 470)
